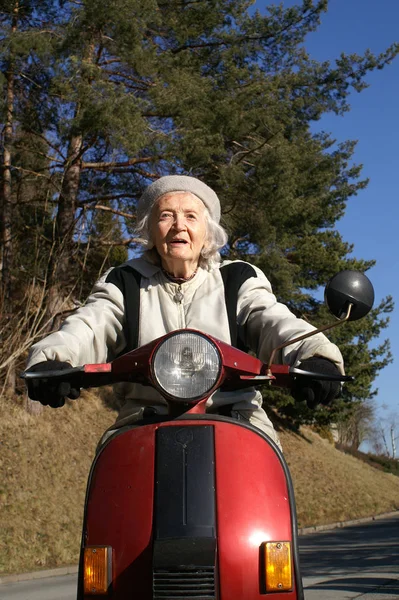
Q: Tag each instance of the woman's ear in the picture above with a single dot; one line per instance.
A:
(205, 249)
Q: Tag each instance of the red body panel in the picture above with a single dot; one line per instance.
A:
(119, 510)
(252, 507)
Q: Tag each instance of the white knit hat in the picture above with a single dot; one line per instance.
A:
(179, 183)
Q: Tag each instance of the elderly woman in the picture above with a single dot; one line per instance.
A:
(180, 281)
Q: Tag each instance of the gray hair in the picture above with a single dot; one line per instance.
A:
(216, 238)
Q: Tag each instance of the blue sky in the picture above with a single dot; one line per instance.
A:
(371, 221)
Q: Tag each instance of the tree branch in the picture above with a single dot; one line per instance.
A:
(126, 77)
(109, 61)
(98, 242)
(105, 198)
(114, 211)
(43, 137)
(117, 165)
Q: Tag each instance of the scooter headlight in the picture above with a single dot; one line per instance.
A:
(186, 365)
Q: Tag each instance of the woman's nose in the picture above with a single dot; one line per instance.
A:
(179, 222)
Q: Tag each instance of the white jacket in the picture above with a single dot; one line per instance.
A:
(95, 332)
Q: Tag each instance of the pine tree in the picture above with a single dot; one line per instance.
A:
(122, 92)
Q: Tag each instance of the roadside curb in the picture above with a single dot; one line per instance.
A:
(73, 569)
(339, 524)
(59, 571)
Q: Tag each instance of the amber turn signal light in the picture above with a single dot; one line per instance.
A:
(97, 570)
(278, 572)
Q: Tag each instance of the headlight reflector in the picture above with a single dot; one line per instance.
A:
(186, 365)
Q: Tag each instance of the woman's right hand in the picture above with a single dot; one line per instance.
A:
(49, 392)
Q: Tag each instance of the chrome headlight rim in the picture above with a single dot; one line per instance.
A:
(191, 399)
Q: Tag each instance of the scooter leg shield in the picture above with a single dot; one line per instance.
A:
(187, 506)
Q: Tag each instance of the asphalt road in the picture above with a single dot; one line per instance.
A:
(359, 562)
(51, 588)
(353, 562)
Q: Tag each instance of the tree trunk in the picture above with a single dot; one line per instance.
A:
(393, 442)
(7, 202)
(60, 265)
(67, 205)
(60, 283)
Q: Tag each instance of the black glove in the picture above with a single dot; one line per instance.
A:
(47, 391)
(316, 391)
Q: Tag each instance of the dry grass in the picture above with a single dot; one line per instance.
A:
(331, 486)
(44, 463)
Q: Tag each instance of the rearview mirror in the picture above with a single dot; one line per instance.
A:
(349, 287)
(349, 295)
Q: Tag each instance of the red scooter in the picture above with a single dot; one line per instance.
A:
(193, 505)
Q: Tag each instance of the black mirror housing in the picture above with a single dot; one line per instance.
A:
(349, 287)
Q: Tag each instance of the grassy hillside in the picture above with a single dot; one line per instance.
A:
(44, 463)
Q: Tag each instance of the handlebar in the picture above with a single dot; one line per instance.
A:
(92, 375)
(231, 368)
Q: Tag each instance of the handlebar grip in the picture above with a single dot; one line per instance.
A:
(320, 376)
(57, 373)
(79, 377)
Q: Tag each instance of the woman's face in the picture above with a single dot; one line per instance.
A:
(178, 231)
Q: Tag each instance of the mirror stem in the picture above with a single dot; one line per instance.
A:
(306, 335)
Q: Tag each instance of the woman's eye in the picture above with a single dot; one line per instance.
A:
(192, 217)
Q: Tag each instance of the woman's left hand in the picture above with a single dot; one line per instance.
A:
(316, 391)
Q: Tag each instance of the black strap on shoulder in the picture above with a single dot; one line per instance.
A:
(234, 275)
(128, 281)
